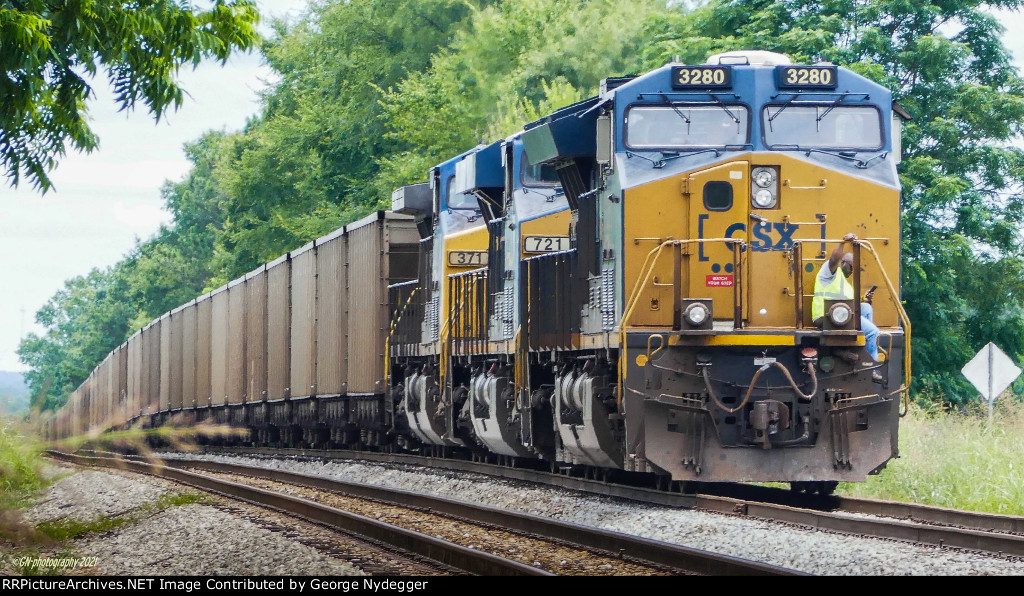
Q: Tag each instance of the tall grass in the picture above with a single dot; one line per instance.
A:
(19, 464)
(958, 460)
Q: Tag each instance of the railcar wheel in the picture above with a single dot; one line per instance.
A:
(826, 487)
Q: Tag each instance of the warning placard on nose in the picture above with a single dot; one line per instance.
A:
(719, 281)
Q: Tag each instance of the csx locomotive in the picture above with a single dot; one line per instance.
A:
(625, 284)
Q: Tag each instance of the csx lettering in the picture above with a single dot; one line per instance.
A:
(776, 236)
(765, 240)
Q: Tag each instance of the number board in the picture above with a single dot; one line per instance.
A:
(545, 243)
(702, 77)
(816, 77)
(467, 258)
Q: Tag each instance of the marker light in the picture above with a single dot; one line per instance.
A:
(840, 314)
(764, 177)
(696, 314)
(764, 199)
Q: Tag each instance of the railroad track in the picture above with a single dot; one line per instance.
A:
(924, 524)
(901, 521)
(584, 549)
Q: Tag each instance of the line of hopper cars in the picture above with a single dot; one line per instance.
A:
(625, 284)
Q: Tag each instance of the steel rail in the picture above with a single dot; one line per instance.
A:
(599, 487)
(948, 527)
(453, 555)
(929, 525)
(643, 550)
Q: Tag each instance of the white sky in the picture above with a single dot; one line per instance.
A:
(104, 201)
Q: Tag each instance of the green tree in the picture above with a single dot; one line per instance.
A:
(515, 59)
(305, 167)
(93, 314)
(49, 47)
(961, 174)
(84, 321)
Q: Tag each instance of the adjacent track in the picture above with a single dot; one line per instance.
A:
(903, 521)
(631, 550)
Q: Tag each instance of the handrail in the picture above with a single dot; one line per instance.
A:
(391, 333)
(654, 254)
(904, 318)
(641, 282)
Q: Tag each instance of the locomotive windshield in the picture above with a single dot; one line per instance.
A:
(538, 175)
(822, 126)
(458, 200)
(667, 127)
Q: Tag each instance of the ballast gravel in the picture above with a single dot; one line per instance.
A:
(202, 540)
(189, 540)
(90, 494)
(810, 550)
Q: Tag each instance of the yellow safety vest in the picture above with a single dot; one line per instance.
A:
(839, 289)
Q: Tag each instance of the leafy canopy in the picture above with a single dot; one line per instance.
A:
(48, 48)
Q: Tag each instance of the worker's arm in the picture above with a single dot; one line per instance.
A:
(837, 254)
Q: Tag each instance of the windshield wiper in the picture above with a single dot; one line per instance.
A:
(678, 113)
(549, 198)
(817, 121)
(667, 156)
(644, 157)
(469, 218)
(722, 105)
(776, 114)
(848, 155)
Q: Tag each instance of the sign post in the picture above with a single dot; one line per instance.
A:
(991, 371)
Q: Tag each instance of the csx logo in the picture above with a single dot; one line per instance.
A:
(773, 236)
(765, 236)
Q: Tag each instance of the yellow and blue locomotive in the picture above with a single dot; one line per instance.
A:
(628, 282)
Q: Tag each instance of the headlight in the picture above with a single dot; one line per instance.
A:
(840, 314)
(764, 199)
(696, 314)
(764, 177)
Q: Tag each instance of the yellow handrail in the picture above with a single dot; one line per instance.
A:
(648, 268)
(642, 279)
(905, 389)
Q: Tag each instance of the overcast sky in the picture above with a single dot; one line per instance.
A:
(106, 200)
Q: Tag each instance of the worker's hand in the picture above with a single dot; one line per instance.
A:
(869, 295)
(849, 237)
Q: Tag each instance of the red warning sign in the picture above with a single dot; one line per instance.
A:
(719, 281)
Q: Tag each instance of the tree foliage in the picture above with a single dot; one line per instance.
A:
(512, 59)
(306, 166)
(48, 48)
(83, 322)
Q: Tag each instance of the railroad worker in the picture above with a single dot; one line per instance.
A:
(829, 286)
